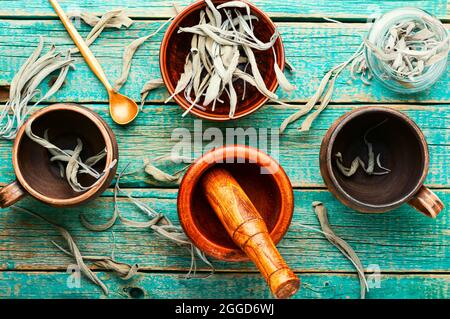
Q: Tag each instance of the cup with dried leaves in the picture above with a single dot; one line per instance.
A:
(222, 60)
(374, 159)
(64, 155)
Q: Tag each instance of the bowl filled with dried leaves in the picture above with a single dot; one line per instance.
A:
(222, 60)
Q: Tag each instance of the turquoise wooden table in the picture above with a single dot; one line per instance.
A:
(410, 251)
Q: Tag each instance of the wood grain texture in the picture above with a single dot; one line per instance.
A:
(298, 153)
(410, 249)
(52, 285)
(313, 48)
(399, 241)
(278, 9)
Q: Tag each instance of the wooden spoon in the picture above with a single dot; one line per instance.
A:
(123, 110)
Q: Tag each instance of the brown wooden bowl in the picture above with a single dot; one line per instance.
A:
(176, 46)
(261, 178)
(37, 176)
(403, 150)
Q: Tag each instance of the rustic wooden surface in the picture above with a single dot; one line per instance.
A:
(411, 251)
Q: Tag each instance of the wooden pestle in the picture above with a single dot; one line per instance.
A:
(248, 230)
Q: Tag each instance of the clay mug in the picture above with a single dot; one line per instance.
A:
(38, 177)
(402, 148)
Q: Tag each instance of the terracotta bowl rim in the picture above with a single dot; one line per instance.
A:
(99, 123)
(180, 100)
(194, 174)
(333, 183)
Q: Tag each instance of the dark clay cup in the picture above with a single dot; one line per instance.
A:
(403, 150)
(176, 46)
(38, 177)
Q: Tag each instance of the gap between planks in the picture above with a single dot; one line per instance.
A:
(169, 271)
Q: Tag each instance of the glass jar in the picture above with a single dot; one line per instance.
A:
(383, 72)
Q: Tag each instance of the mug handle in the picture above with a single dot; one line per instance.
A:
(427, 202)
(11, 194)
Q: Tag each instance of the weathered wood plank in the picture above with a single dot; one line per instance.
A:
(399, 241)
(298, 153)
(51, 285)
(312, 48)
(282, 9)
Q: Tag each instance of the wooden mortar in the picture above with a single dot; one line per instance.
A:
(228, 201)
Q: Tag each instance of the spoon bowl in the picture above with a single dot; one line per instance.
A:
(123, 110)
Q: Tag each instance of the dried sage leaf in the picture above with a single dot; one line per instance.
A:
(109, 18)
(123, 270)
(150, 86)
(73, 248)
(185, 78)
(120, 19)
(344, 170)
(327, 81)
(358, 162)
(160, 176)
(128, 55)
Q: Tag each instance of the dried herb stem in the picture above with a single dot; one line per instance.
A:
(128, 55)
(125, 271)
(157, 222)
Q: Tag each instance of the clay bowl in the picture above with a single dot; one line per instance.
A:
(261, 178)
(37, 176)
(176, 46)
(403, 150)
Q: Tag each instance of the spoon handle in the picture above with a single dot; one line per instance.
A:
(82, 46)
